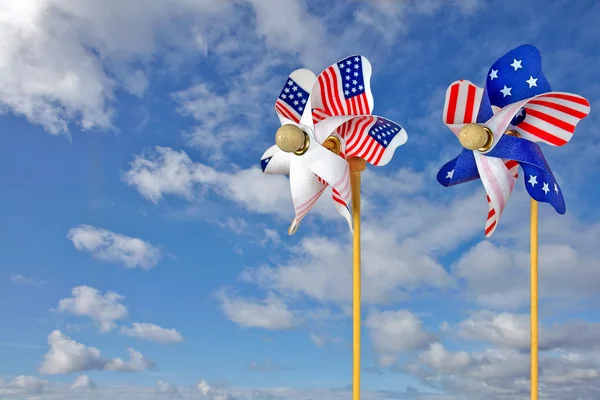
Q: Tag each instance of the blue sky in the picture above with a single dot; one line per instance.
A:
(134, 214)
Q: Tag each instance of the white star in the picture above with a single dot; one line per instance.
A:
(291, 96)
(290, 82)
(356, 74)
(516, 64)
(299, 94)
(545, 188)
(450, 174)
(521, 111)
(533, 180)
(287, 90)
(346, 93)
(379, 137)
(532, 81)
(348, 62)
(296, 102)
(493, 74)
(295, 88)
(347, 77)
(506, 91)
(385, 142)
(353, 90)
(556, 188)
(348, 70)
(354, 82)
(300, 108)
(356, 59)
(283, 96)
(303, 101)
(347, 85)
(355, 66)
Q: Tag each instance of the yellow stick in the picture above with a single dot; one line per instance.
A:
(534, 299)
(357, 165)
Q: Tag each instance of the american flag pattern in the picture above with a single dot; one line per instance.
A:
(372, 138)
(293, 99)
(550, 117)
(463, 100)
(343, 89)
(517, 97)
(341, 103)
(307, 187)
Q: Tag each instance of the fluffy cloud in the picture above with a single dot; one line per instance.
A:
(271, 313)
(103, 309)
(90, 37)
(393, 332)
(114, 247)
(498, 276)
(23, 385)
(165, 171)
(152, 333)
(67, 356)
(83, 382)
(512, 331)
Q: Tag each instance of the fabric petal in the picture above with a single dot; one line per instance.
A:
(293, 99)
(305, 187)
(344, 88)
(459, 170)
(520, 71)
(275, 161)
(498, 183)
(539, 180)
(372, 138)
(550, 118)
(463, 100)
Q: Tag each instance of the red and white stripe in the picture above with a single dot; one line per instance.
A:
(551, 117)
(462, 103)
(493, 217)
(286, 111)
(331, 100)
(359, 143)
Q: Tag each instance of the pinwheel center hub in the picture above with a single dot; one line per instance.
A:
(291, 139)
(476, 137)
(333, 144)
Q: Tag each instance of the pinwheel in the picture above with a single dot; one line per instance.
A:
(499, 127)
(327, 136)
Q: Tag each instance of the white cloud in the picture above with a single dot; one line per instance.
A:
(98, 40)
(67, 356)
(83, 382)
(166, 388)
(22, 385)
(152, 333)
(114, 247)
(498, 276)
(394, 332)
(168, 172)
(271, 313)
(23, 280)
(321, 270)
(103, 309)
(512, 330)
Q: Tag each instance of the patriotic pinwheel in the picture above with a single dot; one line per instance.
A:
(499, 126)
(325, 121)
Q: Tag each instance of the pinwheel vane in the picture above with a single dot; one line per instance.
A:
(327, 136)
(498, 126)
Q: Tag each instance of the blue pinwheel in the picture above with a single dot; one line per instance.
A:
(499, 126)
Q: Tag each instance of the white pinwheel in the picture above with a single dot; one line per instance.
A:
(325, 121)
